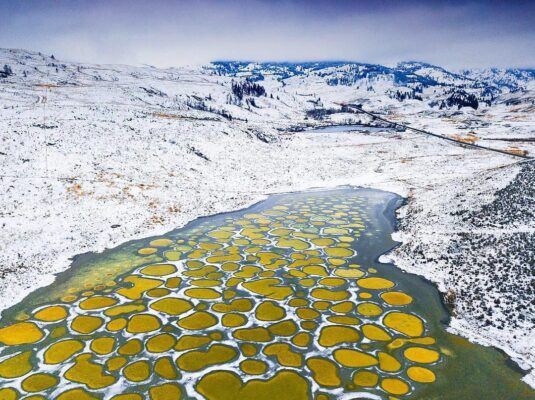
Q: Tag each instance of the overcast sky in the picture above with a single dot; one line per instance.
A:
(454, 34)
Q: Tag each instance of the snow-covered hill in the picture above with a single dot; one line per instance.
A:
(430, 84)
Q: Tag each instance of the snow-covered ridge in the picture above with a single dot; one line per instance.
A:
(411, 74)
(432, 85)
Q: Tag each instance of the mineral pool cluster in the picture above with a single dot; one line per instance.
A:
(263, 305)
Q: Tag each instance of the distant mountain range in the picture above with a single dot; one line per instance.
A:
(407, 80)
(407, 73)
(422, 84)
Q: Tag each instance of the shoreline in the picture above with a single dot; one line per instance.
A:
(458, 325)
(453, 325)
(389, 214)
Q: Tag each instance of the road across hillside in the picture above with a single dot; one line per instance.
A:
(397, 124)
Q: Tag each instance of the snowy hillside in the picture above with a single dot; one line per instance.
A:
(430, 84)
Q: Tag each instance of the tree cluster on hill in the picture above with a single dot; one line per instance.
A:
(247, 88)
(404, 95)
(321, 113)
(196, 103)
(459, 99)
(6, 71)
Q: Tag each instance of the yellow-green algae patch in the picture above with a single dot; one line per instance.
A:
(283, 328)
(207, 293)
(420, 374)
(269, 287)
(407, 324)
(115, 363)
(138, 286)
(197, 321)
(146, 251)
(128, 396)
(233, 320)
(51, 314)
(172, 306)
(197, 360)
(97, 302)
(165, 368)
(269, 311)
(76, 394)
(369, 309)
(421, 355)
(375, 283)
(396, 298)
(253, 367)
(89, 373)
(116, 324)
(103, 345)
(137, 371)
(124, 309)
(167, 391)
(160, 343)
(8, 394)
(39, 382)
(161, 242)
(86, 324)
(187, 342)
(20, 333)
(375, 333)
(324, 371)
(388, 363)
(365, 378)
(258, 334)
(334, 335)
(284, 354)
(354, 358)
(158, 270)
(131, 347)
(223, 385)
(142, 323)
(62, 351)
(395, 386)
(16, 365)
(326, 294)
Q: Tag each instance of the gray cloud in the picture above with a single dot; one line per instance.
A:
(454, 34)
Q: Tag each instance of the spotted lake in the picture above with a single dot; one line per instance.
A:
(284, 300)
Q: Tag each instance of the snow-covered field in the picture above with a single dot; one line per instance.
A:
(92, 156)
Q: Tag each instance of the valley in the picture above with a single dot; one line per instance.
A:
(93, 156)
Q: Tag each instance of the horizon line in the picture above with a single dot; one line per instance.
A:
(282, 62)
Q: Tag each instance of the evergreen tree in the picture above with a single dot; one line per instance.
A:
(7, 71)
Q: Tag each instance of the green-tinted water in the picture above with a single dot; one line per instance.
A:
(284, 300)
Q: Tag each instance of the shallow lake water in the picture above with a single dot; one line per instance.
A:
(349, 128)
(284, 300)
